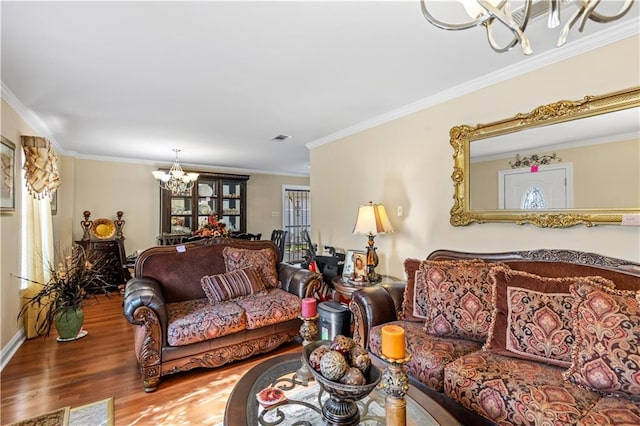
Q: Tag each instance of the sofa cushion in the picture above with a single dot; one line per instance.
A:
(274, 307)
(411, 312)
(429, 354)
(198, 320)
(458, 299)
(606, 356)
(263, 261)
(231, 285)
(512, 391)
(532, 316)
(612, 412)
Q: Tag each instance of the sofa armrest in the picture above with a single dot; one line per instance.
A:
(373, 306)
(144, 292)
(301, 282)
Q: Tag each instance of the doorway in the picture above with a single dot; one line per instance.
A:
(544, 188)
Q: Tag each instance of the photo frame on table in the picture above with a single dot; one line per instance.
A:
(8, 175)
(355, 265)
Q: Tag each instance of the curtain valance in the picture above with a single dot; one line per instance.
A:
(41, 167)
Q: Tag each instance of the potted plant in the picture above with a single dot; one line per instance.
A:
(78, 276)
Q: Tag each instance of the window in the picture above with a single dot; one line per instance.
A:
(296, 218)
(533, 199)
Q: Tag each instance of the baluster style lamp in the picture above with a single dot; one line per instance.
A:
(372, 220)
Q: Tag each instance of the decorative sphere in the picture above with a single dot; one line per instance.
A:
(353, 376)
(360, 359)
(333, 365)
(316, 356)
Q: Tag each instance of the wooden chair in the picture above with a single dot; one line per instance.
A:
(279, 238)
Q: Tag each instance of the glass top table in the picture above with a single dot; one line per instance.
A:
(304, 401)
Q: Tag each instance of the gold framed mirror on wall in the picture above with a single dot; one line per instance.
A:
(562, 164)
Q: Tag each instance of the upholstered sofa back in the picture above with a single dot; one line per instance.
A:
(179, 268)
(559, 263)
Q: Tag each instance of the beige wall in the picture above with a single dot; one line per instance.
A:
(604, 176)
(412, 164)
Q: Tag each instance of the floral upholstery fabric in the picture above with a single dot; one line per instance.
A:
(532, 316)
(409, 311)
(198, 320)
(606, 355)
(429, 354)
(263, 261)
(612, 412)
(513, 391)
(458, 298)
(275, 307)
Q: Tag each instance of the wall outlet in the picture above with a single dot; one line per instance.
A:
(399, 210)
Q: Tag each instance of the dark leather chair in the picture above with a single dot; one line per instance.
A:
(279, 238)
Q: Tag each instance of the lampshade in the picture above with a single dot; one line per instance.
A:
(372, 220)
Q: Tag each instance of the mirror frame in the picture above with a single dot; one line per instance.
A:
(558, 112)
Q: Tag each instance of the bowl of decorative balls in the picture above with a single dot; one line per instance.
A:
(342, 369)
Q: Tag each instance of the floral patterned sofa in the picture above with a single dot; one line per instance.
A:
(544, 337)
(211, 302)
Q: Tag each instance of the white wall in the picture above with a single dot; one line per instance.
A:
(408, 162)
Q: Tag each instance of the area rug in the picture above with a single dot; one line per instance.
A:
(100, 413)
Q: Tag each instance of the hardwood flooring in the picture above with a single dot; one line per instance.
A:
(45, 375)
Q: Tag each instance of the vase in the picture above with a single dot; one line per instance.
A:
(69, 322)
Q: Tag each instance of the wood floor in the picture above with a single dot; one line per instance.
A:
(45, 375)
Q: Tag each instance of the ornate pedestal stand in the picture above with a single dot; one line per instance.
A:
(396, 385)
(309, 333)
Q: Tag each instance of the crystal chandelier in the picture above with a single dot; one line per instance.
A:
(175, 180)
(490, 12)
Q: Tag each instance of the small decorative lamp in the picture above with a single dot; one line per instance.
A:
(372, 220)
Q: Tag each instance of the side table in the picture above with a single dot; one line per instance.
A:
(345, 287)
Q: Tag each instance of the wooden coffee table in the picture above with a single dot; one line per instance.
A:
(243, 408)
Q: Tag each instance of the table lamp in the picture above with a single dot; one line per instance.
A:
(372, 220)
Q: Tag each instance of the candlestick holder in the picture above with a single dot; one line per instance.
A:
(309, 333)
(395, 383)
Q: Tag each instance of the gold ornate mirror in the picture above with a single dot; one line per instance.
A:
(562, 164)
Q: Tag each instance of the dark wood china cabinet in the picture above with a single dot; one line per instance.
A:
(213, 193)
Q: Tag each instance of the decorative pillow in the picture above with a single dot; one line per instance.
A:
(231, 285)
(410, 312)
(263, 261)
(606, 355)
(458, 297)
(532, 316)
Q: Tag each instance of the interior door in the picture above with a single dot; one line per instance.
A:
(547, 187)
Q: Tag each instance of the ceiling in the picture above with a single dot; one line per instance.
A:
(130, 81)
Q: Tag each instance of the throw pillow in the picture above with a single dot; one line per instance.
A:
(411, 312)
(231, 285)
(532, 316)
(263, 261)
(606, 355)
(458, 296)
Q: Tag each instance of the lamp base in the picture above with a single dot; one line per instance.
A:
(373, 277)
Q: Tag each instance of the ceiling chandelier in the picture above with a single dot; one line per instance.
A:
(175, 180)
(490, 12)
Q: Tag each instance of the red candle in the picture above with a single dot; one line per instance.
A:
(308, 307)
(393, 342)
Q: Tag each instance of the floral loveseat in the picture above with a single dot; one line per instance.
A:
(207, 303)
(546, 337)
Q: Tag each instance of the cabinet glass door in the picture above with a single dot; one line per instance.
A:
(231, 205)
(207, 200)
(181, 214)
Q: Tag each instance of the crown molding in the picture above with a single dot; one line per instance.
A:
(31, 118)
(603, 38)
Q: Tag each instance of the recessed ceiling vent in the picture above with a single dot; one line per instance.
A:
(280, 138)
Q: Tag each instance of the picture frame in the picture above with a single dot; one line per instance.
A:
(8, 175)
(351, 270)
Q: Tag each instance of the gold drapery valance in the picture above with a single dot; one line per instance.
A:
(41, 167)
